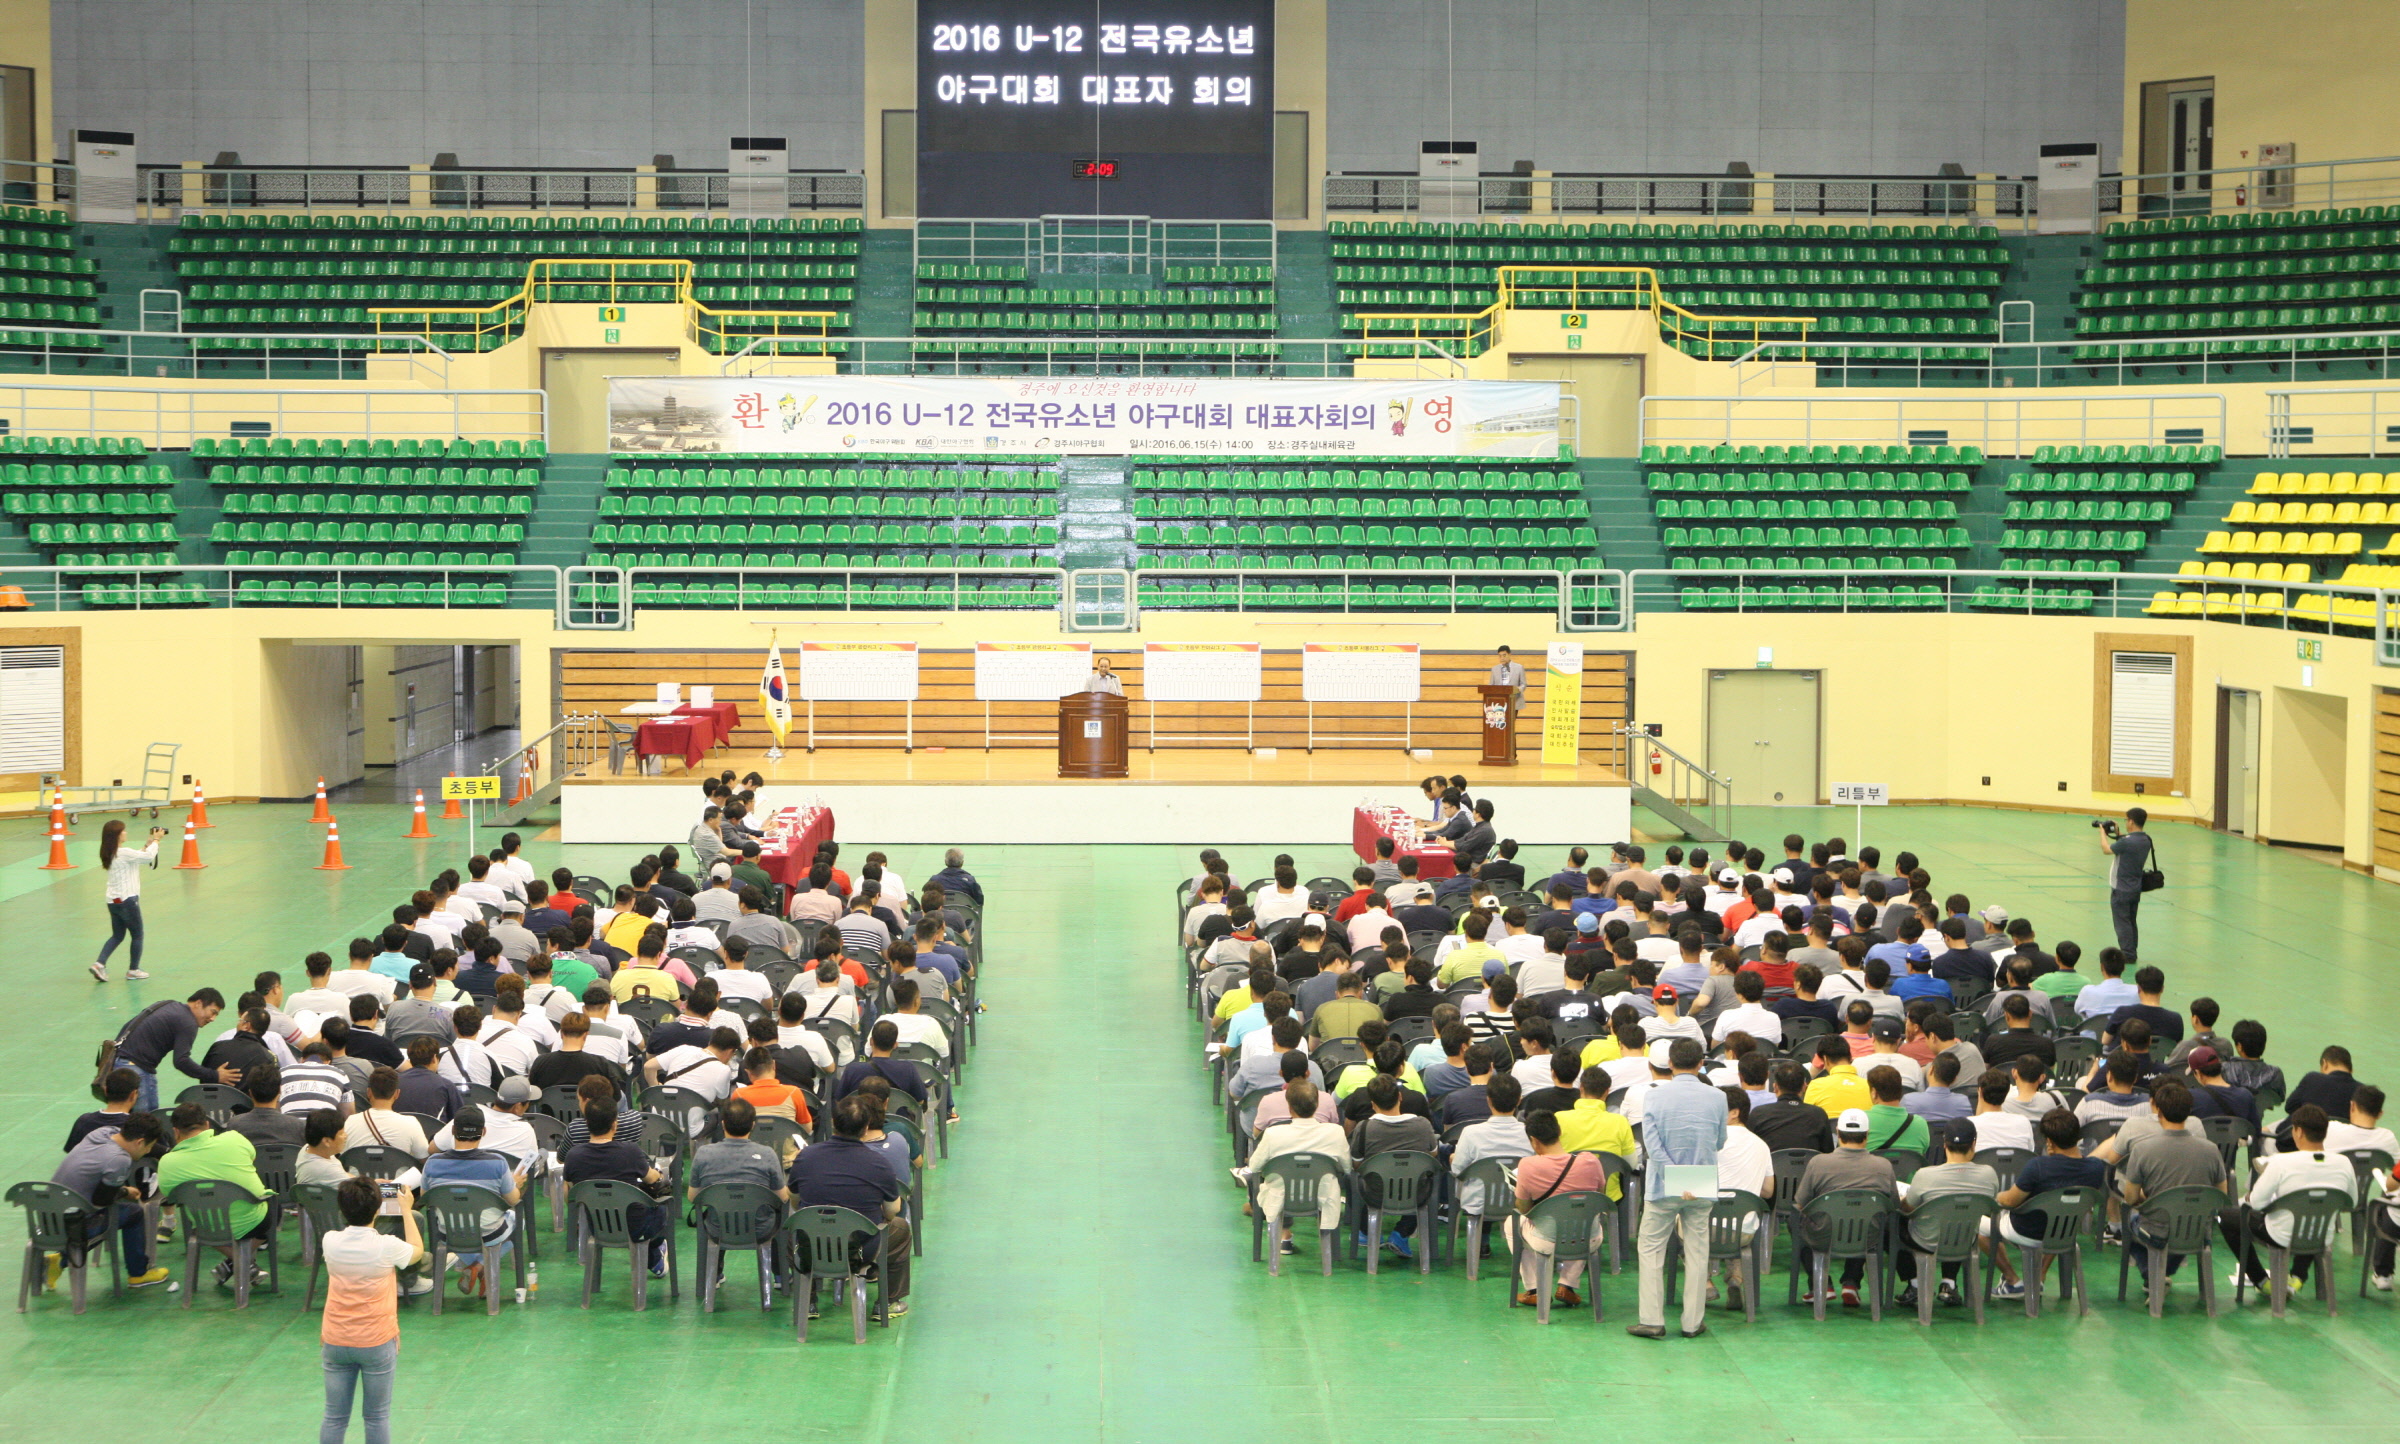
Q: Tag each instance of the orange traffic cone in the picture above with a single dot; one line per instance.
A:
(333, 848)
(200, 807)
(191, 848)
(58, 834)
(524, 782)
(450, 812)
(418, 828)
(323, 813)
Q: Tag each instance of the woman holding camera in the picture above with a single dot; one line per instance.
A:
(124, 866)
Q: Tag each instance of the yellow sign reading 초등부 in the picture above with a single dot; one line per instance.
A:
(1562, 704)
(468, 789)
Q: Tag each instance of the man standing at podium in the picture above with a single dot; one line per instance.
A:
(1510, 673)
(1105, 679)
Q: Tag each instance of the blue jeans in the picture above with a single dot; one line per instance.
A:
(147, 1099)
(124, 921)
(130, 1219)
(345, 1367)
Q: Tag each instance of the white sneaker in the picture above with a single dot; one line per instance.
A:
(2382, 1283)
(422, 1285)
(135, 975)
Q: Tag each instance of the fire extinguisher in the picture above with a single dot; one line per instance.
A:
(1658, 763)
(2241, 195)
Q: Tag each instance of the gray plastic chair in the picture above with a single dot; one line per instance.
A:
(2170, 1224)
(205, 1207)
(826, 1246)
(1839, 1226)
(1498, 1177)
(55, 1219)
(2372, 1167)
(731, 1217)
(688, 1115)
(221, 1102)
(1730, 1242)
(1957, 1220)
(1397, 1182)
(320, 1209)
(1304, 1176)
(454, 1225)
(604, 1212)
(2316, 1216)
(2230, 1135)
(2063, 1211)
(1578, 1223)
(374, 1160)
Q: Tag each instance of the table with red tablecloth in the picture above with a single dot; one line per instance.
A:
(793, 836)
(679, 736)
(1369, 823)
(727, 716)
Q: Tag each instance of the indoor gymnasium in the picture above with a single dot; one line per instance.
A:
(1085, 721)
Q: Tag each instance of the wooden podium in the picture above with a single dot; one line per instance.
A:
(1499, 731)
(1092, 734)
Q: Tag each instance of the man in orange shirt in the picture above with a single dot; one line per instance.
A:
(768, 1094)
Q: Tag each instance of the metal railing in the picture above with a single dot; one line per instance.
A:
(2302, 185)
(176, 416)
(1254, 589)
(2082, 361)
(771, 588)
(1093, 245)
(576, 741)
(37, 183)
(170, 190)
(2342, 421)
(615, 281)
(1961, 200)
(1580, 288)
(194, 355)
(1147, 355)
(1679, 780)
(2115, 595)
(2000, 425)
(180, 586)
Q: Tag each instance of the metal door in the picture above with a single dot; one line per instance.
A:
(1763, 735)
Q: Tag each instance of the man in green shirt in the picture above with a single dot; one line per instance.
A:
(2065, 982)
(202, 1153)
(561, 968)
(1346, 1013)
(1890, 1127)
(747, 872)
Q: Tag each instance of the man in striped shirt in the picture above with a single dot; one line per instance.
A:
(861, 928)
(315, 1083)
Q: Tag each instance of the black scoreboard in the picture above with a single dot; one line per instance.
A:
(1099, 108)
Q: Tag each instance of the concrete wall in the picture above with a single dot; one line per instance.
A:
(2313, 72)
(1843, 87)
(499, 82)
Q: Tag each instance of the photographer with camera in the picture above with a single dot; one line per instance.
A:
(124, 866)
(2133, 870)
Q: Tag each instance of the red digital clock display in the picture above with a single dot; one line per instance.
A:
(1095, 170)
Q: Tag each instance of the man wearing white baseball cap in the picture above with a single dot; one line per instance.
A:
(1848, 1166)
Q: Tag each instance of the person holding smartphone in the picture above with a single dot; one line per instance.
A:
(124, 866)
(361, 1330)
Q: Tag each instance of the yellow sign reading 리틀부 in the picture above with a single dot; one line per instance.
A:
(1562, 704)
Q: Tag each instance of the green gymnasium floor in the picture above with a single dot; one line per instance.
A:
(1088, 1274)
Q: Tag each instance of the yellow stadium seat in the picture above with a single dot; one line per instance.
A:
(2269, 602)
(2370, 483)
(2317, 484)
(2162, 604)
(2220, 569)
(2373, 513)
(2217, 541)
(2188, 605)
(2295, 572)
(2217, 603)
(2390, 547)
(2312, 606)
(2347, 544)
(2319, 514)
(2294, 484)
(2345, 483)
(2345, 513)
(2192, 569)
(2264, 483)
(2272, 571)
(2357, 574)
(2243, 513)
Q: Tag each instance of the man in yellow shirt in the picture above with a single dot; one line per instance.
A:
(1347, 1014)
(1240, 996)
(642, 971)
(1589, 1127)
(1837, 1085)
(627, 927)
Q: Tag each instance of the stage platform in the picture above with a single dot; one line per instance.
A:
(1178, 795)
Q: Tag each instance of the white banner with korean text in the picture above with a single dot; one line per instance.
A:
(1088, 415)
